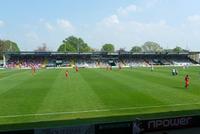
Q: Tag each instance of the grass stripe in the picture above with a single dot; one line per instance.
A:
(96, 110)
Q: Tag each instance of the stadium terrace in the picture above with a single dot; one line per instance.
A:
(96, 59)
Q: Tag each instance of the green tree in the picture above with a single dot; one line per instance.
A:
(150, 46)
(8, 46)
(136, 49)
(74, 44)
(177, 49)
(108, 48)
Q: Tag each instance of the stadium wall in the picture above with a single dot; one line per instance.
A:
(172, 125)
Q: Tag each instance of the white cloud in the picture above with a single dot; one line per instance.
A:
(129, 9)
(111, 20)
(126, 33)
(49, 27)
(194, 18)
(2, 23)
(130, 32)
(65, 24)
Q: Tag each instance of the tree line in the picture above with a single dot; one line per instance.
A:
(76, 44)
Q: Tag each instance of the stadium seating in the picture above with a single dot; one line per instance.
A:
(88, 61)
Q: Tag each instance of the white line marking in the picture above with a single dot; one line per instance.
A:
(97, 110)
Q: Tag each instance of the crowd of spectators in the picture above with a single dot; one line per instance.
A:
(88, 62)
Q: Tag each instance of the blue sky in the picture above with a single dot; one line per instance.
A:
(124, 23)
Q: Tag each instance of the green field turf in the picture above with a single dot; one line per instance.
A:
(92, 93)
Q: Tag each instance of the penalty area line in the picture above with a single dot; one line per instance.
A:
(91, 111)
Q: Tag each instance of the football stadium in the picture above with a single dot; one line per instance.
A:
(107, 87)
(100, 67)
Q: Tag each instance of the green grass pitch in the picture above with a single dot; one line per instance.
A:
(92, 93)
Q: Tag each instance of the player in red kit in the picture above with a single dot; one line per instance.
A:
(187, 81)
(33, 69)
(76, 68)
(67, 74)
